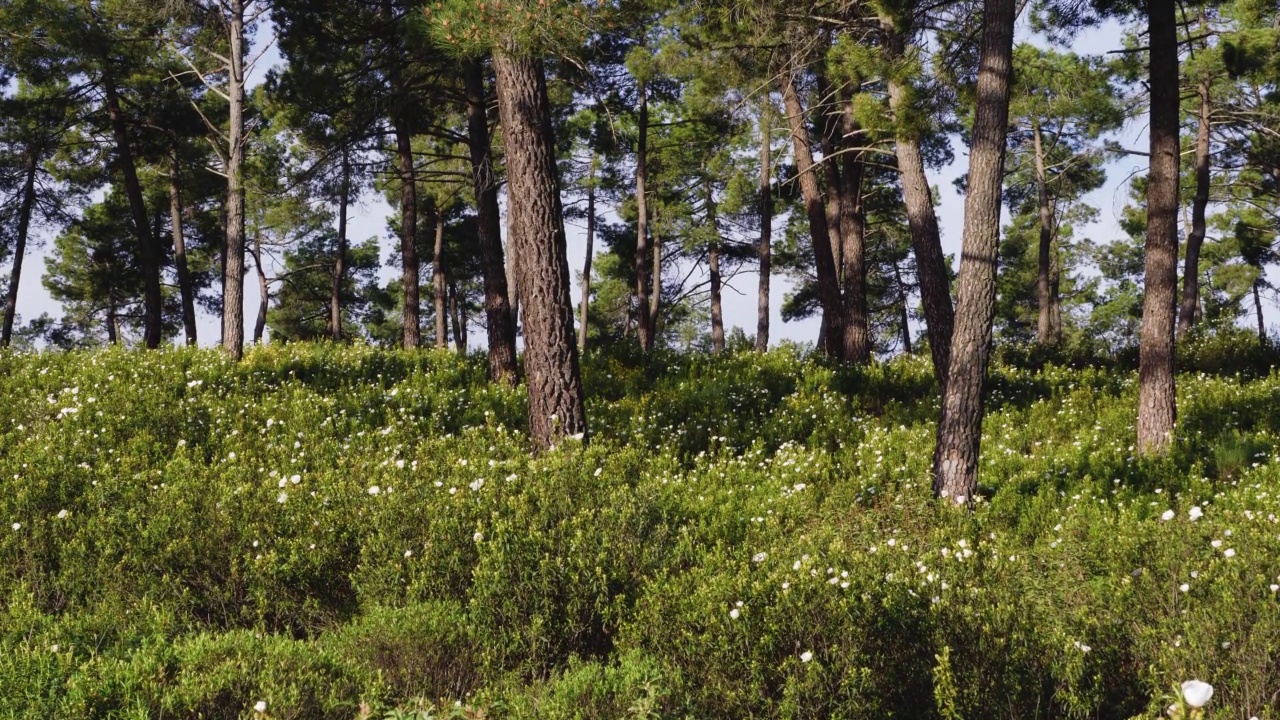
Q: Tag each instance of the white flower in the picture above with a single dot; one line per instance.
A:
(734, 613)
(17, 527)
(479, 536)
(1195, 513)
(477, 484)
(62, 514)
(759, 557)
(1184, 587)
(295, 479)
(260, 706)
(195, 383)
(374, 490)
(1167, 515)
(1229, 552)
(408, 553)
(282, 498)
(1275, 588)
(1216, 543)
(53, 648)
(400, 464)
(806, 656)
(1196, 693)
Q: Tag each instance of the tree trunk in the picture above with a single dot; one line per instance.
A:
(233, 299)
(1257, 308)
(499, 316)
(717, 312)
(439, 284)
(264, 292)
(837, 211)
(586, 263)
(904, 318)
(765, 250)
(857, 334)
(926, 240)
(828, 284)
(1190, 312)
(1044, 286)
(646, 320)
(20, 245)
(556, 402)
(1156, 401)
(150, 254)
(955, 460)
(655, 292)
(455, 314)
(408, 235)
(180, 249)
(113, 330)
(340, 258)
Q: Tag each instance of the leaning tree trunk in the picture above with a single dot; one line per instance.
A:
(1156, 402)
(499, 317)
(340, 257)
(857, 332)
(185, 288)
(1044, 286)
(233, 298)
(20, 245)
(955, 460)
(556, 402)
(412, 326)
(828, 284)
(1257, 308)
(150, 254)
(455, 314)
(764, 250)
(586, 263)
(926, 240)
(904, 318)
(1189, 314)
(646, 321)
(439, 284)
(717, 311)
(264, 292)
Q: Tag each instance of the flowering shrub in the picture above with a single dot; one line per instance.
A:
(341, 532)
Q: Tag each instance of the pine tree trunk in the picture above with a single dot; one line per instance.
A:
(1257, 308)
(655, 290)
(438, 284)
(1044, 294)
(857, 334)
(340, 258)
(1156, 401)
(264, 292)
(904, 317)
(926, 240)
(556, 402)
(499, 317)
(764, 250)
(828, 283)
(717, 311)
(455, 313)
(233, 299)
(20, 245)
(113, 330)
(955, 461)
(646, 320)
(180, 249)
(408, 236)
(837, 211)
(1190, 312)
(149, 253)
(586, 263)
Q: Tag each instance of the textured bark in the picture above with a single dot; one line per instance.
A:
(1156, 402)
(556, 403)
(646, 321)
(828, 283)
(439, 284)
(149, 253)
(408, 236)
(185, 288)
(20, 246)
(340, 259)
(1190, 312)
(499, 318)
(837, 210)
(1044, 286)
(586, 263)
(853, 220)
(955, 460)
(717, 311)
(264, 292)
(926, 240)
(233, 298)
(764, 250)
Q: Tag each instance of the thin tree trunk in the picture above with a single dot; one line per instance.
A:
(955, 460)
(455, 314)
(233, 299)
(340, 258)
(586, 263)
(556, 401)
(499, 314)
(765, 250)
(717, 312)
(903, 316)
(1257, 308)
(438, 283)
(264, 292)
(857, 333)
(20, 245)
(150, 254)
(655, 292)
(646, 320)
(180, 249)
(828, 287)
(926, 240)
(113, 330)
(1044, 289)
(1190, 312)
(1157, 411)
(408, 235)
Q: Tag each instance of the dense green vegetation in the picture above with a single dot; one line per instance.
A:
(343, 532)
